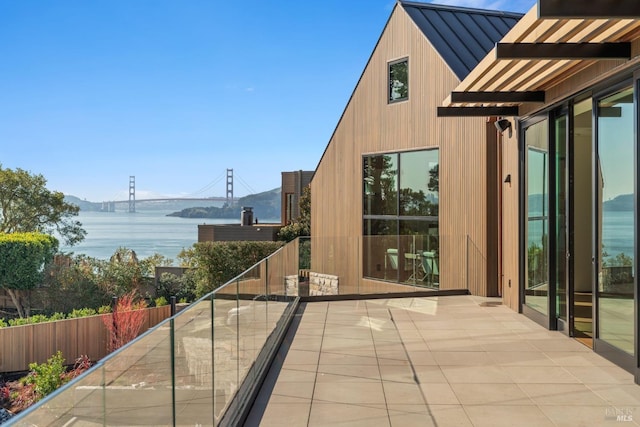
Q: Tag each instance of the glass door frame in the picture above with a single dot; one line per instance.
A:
(629, 362)
(549, 320)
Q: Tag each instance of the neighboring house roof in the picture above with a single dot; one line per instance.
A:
(462, 36)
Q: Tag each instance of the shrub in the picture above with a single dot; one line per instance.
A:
(125, 322)
(81, 312)
(46, 377)
(160, 301)
(215, 263)
(3, 323)
(104, 309)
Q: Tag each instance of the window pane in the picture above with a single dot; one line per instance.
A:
(616, 219)
(380, 249)
(380, 185)
(419, 183)
(537, 280)
(398, 81)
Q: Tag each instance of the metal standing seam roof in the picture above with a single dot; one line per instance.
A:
(462, 36)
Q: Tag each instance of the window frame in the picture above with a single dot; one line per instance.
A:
(390, 64)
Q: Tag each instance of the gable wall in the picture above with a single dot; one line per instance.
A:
(370, 125)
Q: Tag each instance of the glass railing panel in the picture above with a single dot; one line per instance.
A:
(225, 347)
(193, 364)
(138, 381)
(251, 321)
(78, 402)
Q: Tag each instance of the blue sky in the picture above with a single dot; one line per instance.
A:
(175, 92)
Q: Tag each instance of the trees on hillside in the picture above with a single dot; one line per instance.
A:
(23, 257)
(26, 205)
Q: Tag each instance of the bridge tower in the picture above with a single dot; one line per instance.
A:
(229, 187)
(132, 193)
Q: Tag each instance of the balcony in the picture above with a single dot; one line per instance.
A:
(254, 352)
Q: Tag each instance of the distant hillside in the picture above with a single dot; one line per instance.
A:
(623, 202)
(84, 205)
(265, 205)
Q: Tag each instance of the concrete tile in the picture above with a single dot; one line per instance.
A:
(410, 416)
(562, 394)
(471, 374)
(402, 393)
(430, 374)
(340, 414)
(448, 416)
(618, 394)
(350, 392)
(301, 357)
(570, 416)
(397, 373)
(559, 344)
(353, 371)
(439, 394)
(521, 358)
(286, 414)
(540, 375)
(462, 358)
(490, 394)
(507, 416)
(577, 358)
(328, 358)
(601, 375)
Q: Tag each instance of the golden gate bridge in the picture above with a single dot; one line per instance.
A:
(229, 199)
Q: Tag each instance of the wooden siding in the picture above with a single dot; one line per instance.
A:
(370, 125)
(22, 345)
(509, 218)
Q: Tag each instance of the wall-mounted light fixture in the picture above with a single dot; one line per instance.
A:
(507, 180)
(502, 125)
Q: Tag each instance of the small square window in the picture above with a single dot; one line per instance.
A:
(399, 80)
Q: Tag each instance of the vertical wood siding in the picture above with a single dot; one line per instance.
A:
(370, 125)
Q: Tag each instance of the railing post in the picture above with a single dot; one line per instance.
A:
(173, 305)
(467, 259)
(173, 369)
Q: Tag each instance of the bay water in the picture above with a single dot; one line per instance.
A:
(146, 232)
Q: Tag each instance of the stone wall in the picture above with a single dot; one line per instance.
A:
(322, 284)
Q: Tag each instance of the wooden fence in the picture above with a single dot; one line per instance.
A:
(22, 345)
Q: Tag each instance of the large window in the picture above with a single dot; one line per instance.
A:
(399, 80)
(401, 239)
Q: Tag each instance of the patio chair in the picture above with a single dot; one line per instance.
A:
(429, 266)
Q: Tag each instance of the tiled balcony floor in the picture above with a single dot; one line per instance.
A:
(438, 361)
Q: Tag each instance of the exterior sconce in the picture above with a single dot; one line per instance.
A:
(502, 125)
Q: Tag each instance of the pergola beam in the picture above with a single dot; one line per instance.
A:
(502, 97)
(588, 9)
(477, 111)
(567, 51)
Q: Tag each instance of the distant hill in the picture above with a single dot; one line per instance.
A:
(84, 205)
(623, 202)
(265, 205)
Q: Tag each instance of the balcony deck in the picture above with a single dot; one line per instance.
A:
(437, 361)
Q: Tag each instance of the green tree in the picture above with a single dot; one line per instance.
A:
(215, 263)
(23, 257)
(302, 225)
(26, 205)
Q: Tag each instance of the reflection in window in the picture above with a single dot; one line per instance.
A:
(399, 80)
(380, 185)
(616, 220)
(401, 236)
(537, 281)
(419, 183)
